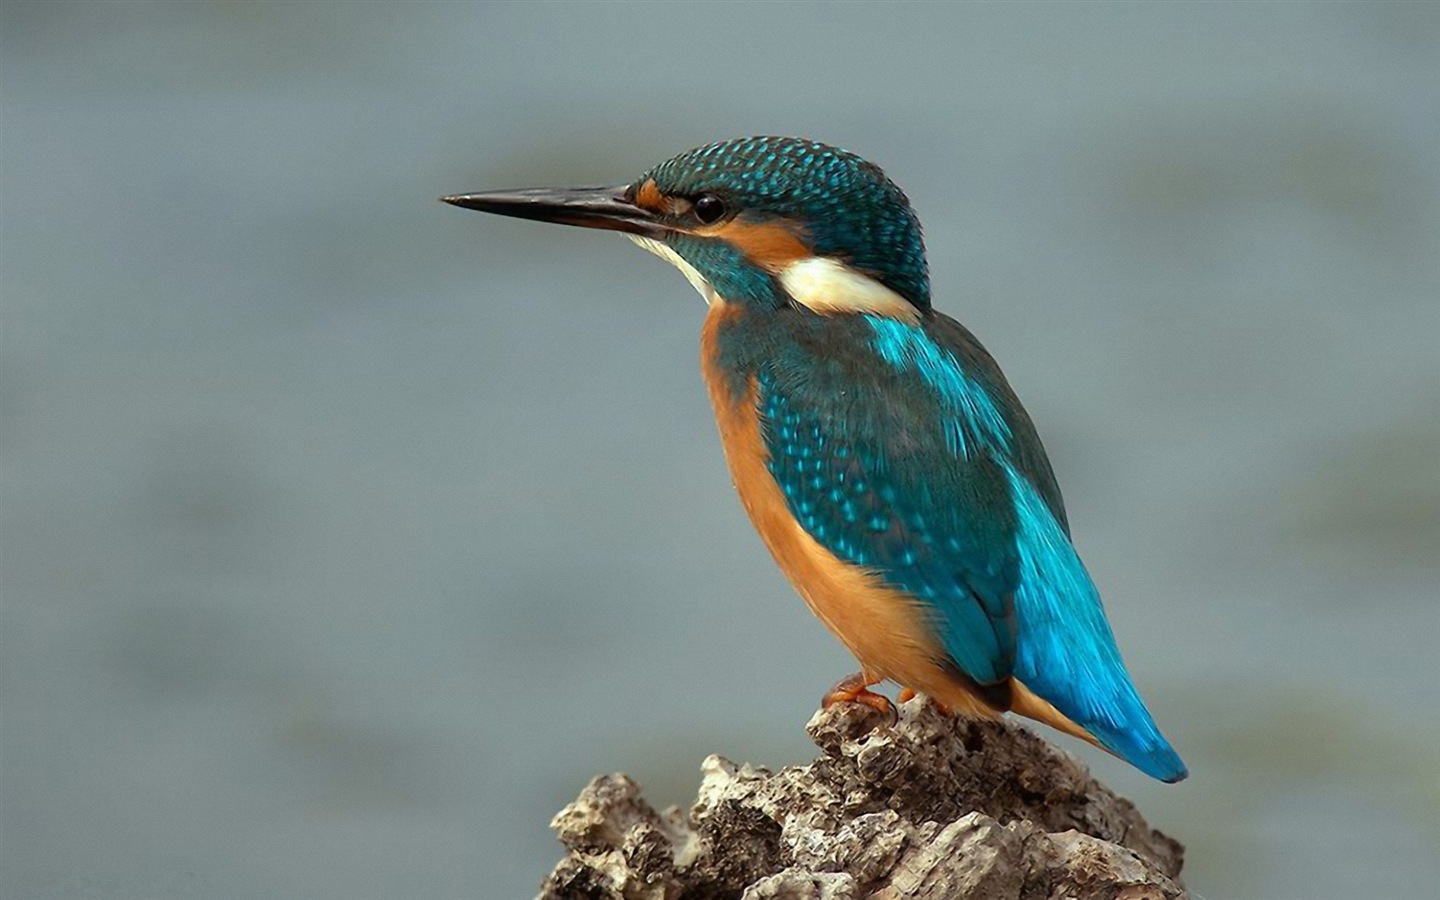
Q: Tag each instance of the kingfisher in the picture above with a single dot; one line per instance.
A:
(877, 448)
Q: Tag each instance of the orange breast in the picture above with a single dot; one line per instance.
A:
(886, 629)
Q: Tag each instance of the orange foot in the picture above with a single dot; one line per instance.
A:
(856, 689)
(908, 694)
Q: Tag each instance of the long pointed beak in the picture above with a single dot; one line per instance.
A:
(592, 207)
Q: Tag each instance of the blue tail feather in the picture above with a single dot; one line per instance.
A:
(1066, 652)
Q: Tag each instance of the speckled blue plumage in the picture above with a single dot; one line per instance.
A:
(901, 449)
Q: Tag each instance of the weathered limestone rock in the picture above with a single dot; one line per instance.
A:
(930, 807)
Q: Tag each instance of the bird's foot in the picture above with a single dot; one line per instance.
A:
(856, 689)
(908, 694)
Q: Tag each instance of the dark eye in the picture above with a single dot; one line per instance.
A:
(709, 208)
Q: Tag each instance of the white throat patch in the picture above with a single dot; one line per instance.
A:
(692, 275)
(822, 284)
(828, 286)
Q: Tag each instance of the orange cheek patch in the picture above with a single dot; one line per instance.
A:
(649, 197)
(770, 245)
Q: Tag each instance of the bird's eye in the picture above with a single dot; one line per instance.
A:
(709, 208)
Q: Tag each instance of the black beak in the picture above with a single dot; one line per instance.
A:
(597, 207)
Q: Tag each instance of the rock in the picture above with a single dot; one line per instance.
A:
(931, 807)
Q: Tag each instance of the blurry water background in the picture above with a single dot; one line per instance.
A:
(346, 534)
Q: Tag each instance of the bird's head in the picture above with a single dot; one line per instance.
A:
(766, 222)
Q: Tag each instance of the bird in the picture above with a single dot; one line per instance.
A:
(876, 446)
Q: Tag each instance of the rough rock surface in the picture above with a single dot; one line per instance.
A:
(929, 807)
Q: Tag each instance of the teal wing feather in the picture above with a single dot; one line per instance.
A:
(901, 449)
(868, 464)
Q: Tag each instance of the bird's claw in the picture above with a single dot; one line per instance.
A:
(856, 689)
(908, 694)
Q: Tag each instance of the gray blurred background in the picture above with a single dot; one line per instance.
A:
(346, 535)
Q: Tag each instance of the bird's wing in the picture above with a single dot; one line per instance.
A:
(900, 448)
(893, 475)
